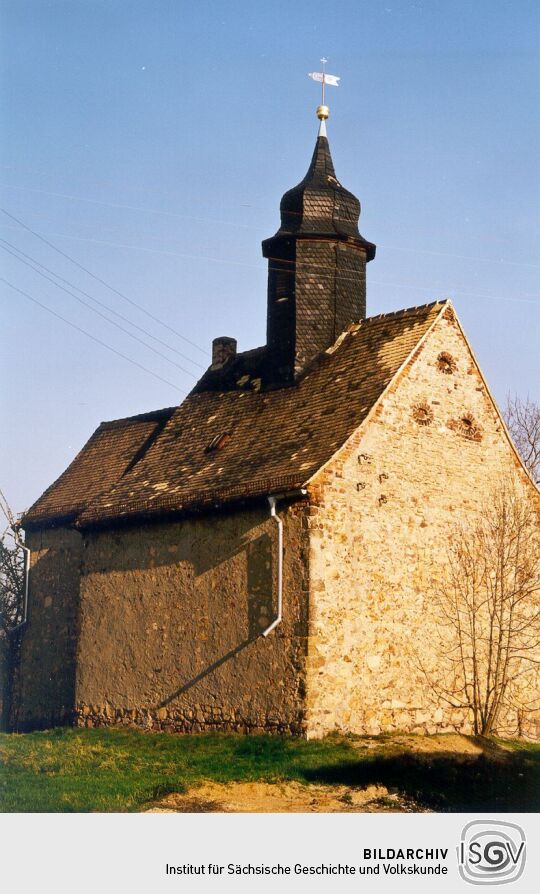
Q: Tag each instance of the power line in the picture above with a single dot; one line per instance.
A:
(446, 254)
(97, 301)
(88, 334)
(457, 291)
(102, 281)
(230, 223)
(155, 251)
(99, 313)
(317, 267)
(61, 195)
(320, 271)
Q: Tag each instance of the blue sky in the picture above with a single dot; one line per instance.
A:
(151, 142)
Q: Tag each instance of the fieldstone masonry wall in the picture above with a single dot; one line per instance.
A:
(381, 511)
(45, 682)
(168, 627)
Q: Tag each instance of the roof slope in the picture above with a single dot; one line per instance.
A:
(103, 460)
(275, 440)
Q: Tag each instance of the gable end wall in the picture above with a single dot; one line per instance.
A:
(381, 510)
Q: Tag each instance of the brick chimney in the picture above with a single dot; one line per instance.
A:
(223, 348)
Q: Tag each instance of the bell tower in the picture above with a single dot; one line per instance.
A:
(316, 266)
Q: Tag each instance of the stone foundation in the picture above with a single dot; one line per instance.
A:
(199, 719)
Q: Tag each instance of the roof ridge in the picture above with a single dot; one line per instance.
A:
(357, 326)
(139, 417)
(405, 310)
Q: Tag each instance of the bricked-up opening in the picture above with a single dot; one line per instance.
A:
(467, 427)
(423, 414)
(446, 363)
(316, 269)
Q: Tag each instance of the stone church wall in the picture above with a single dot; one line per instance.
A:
(44, 689)
(171, 619)
(379, 524)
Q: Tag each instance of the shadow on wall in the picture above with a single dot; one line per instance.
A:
(260, 607)
(204, 543)
(261, 611)
(43, 691)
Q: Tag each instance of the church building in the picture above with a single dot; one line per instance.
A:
(261, 557)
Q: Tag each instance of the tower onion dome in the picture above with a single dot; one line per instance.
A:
(321, 206)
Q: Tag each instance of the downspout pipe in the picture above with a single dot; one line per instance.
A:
(273, 514)
(272, 500)
(24, 620)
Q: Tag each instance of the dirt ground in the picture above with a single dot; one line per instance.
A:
(295, 797)
(449, 743)
(280, 797)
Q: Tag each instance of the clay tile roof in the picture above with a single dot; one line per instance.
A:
(220, 446)
(111, 450)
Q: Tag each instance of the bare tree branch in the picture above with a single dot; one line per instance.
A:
(11, 571)
(487, 610)
(523, 420)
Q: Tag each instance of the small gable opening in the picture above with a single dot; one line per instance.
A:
(446, 363)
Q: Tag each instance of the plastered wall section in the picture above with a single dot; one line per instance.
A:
(171, 619)
(381, 512)
(44, 689)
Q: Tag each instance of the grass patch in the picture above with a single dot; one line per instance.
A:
(122, 770)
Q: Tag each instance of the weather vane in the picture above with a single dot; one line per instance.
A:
(324, 78)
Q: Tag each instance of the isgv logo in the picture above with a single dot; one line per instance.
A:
(491, 852)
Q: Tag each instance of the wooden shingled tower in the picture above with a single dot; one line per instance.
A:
(316, 268)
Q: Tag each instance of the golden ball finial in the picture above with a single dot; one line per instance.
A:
(323, 112)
